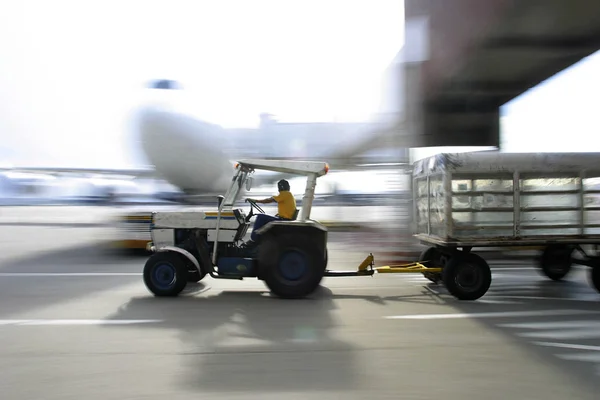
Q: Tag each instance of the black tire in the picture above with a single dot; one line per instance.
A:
(166, 274)
(555, 261)
(594, 277)
(291, 265)
(434, 256)
(467, 276)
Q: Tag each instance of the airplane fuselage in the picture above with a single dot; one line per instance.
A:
(196, 156)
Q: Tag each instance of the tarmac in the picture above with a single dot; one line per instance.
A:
(78, 323)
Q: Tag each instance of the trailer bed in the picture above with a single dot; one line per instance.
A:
(506, 242)
(491, 198)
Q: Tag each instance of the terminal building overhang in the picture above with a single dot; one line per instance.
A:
(475, 56)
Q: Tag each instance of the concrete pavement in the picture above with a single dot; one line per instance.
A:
(78, 323)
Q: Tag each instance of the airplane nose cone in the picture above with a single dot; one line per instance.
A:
(184, 150)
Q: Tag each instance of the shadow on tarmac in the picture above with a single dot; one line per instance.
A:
(246, 341)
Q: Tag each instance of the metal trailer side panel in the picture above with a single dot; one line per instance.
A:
(503, 197)
(496, 162)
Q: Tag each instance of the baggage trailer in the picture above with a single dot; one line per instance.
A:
(550, 201)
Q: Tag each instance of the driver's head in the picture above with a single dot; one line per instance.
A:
(283, 185)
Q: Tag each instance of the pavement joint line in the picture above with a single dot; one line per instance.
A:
(584, 333)
(63, 322)
(591, 299)
(585, 357)
(568, 346)
(493, 314)
(553, 325)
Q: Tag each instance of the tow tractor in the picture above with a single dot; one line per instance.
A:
(290, 255)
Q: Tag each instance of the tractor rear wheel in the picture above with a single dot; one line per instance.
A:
(291, 265)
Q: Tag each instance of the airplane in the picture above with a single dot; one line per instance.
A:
(198, 157)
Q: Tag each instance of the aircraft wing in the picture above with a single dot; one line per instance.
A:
(390, 135)
(142, 172)
(349, 156)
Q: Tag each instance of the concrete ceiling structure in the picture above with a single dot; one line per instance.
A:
(464, 59)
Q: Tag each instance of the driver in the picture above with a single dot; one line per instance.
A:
(286, 208)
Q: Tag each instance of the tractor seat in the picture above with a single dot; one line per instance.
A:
(294, 217)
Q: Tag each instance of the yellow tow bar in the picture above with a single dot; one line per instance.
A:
(367, 268)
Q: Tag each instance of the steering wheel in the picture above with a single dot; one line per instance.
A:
(252, 206)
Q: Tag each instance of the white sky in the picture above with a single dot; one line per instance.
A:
(72, 70)
(561, 114)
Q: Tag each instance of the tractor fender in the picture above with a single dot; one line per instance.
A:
(183, 252)
(290, 225)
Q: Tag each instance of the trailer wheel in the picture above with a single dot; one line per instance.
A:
(166, 274)
(594, 277)
(433, 255)
(555, 262)
(467, 276)
(291, 265)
